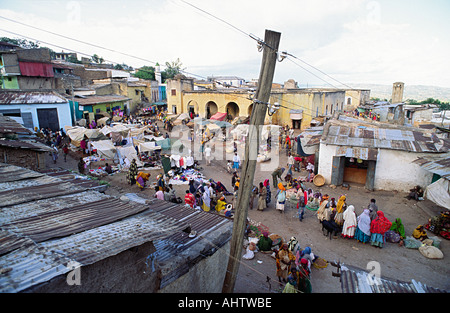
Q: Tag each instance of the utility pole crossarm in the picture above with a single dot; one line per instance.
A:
(272, 40)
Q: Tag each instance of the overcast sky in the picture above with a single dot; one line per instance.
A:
(351, 41)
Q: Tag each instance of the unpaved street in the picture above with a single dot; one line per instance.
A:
(397, 263)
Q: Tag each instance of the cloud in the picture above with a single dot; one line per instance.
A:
(352, 40)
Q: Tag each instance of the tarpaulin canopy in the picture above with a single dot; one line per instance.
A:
(128, 153)
(213, 127)
(145, 146)
(105, 148)
(219, 116)
(222, 124)
(439, 192)
(76, 134)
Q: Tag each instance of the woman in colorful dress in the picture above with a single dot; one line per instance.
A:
(281, 197)
(378, 228)
(262, 195)
(362, 233)
(340, 208)
(284, 259)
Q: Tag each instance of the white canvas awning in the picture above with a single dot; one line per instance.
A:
(439, 192)
(105, 148)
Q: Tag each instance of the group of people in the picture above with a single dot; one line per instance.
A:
(208, 196)
(293, 264)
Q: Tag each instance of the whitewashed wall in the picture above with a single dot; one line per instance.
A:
(394, 170)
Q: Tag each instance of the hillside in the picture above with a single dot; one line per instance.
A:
(416, 92)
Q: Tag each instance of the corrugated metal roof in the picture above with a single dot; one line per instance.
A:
(90, 100)
(30, 97)
(9, 125)
(438, 164)
(25, 145)
(29, 266)
(357, 133)
(44, 229)
(354, 280)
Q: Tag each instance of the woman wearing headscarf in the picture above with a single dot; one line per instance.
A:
(302, 197)
(349, 227)
(221, 203)
(206, 199)
(362, 233)
(314, 201)
(304, 281)
(378, 228)
(292, 282)
(322, 207)
(281, 197)
(396, 233)
(419, 233)
(141, 179)
(132, 172)
(269, 193)
(262, 195)
(340, 208)
(284, 259)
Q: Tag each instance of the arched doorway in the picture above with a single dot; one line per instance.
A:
(192, 106)
(232, 110)
(211, 109)
(250, 109)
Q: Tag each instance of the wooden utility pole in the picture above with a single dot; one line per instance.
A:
(271, 42)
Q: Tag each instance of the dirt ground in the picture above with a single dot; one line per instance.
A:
(258, 275)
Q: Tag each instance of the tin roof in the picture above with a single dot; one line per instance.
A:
(355, 280)
(90, 100)
(30, 97)
(438, 164)
(49, 222)
(348, 131)
(9, 125)
(26, 145)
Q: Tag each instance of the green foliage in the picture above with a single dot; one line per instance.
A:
(146, 72)
(97, 59)
(73, 59)
(23, 43)
(441, 105)
(172, 68)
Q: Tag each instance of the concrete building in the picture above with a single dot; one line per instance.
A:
(39, 109)
(306, 103)
(377, 155)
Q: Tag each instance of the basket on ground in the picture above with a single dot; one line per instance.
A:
(319, 180)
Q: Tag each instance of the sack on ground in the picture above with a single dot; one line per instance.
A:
(431, 252)
(412, 243)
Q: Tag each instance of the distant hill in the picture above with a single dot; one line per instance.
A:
(416, 92)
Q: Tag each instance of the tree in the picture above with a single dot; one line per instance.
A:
(173, 68)
(146, 72)
(97, 59)
(23, 43)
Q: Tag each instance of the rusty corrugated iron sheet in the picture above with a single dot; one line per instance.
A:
(381, 135)
(438, 164)
(9, 125)
(25, 145)
(354, 280)
(39, 239)
(32, 265)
